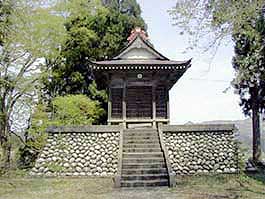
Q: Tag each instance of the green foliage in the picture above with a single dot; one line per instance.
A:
(209, 22)
(96, 37)
(49, 43)
(129, 7)
(14, 173)
(93, 32)
(76, 7)
(249, 64)
(242, 157)
(27, 157)
(36, 135)
(35, 138)
(54, 167)
(5, 12)
(35, 29)
(97, 94)
(29, 32)
(75, 110)
(67, 110)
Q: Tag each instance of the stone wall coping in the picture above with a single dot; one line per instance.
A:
(85, 129)
(117, 178)
(171, 174)
(199, 128)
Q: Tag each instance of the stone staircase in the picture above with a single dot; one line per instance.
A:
(143, 163)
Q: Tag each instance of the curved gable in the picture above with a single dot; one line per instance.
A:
(139, 49)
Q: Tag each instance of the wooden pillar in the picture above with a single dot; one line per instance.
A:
(154, 104)
(109, 99)
(124, 102)
(167, 107)
(109, 106)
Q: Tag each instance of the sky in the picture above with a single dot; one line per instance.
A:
(199, 95)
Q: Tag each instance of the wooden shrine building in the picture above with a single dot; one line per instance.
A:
(139, 80)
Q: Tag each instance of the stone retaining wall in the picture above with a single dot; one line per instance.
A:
(79, 151)
(194, 149)
(94, 150)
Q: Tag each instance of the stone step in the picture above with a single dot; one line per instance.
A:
(145, 145)
(141, 141)
(143, 165)
(143, 130)
(140, 135)
(144, 171)
(143, 155)
(146, 183)
(145, 160)
(140, 150)
(144, 177)
(143, 138)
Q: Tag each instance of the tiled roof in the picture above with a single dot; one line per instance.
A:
(140, 64)
(139, 54)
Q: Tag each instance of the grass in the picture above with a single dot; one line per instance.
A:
(42, 188)
(224, 186)
(196, 187)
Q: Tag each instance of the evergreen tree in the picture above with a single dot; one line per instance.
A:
(129, 7)
(94, 35)
(249, 64)
(209, 23)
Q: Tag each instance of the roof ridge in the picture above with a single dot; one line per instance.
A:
(148, 47)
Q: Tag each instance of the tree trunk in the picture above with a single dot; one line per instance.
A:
(256, 128)
(6, 160)
(5, 142)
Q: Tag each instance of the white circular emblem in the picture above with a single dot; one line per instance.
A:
(139, 76)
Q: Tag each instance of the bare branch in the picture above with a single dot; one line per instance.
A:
(20, 138)
(21, 93)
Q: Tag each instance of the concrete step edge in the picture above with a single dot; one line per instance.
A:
(140, 130)
(151, 158)
(145, 148)
(145, 175)
(143, 164)
(147, 145)
(132, 150)
(140, 141)
(140, 138)
(144, 153)
(140, 135)
(144, 181)
(144, 169)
